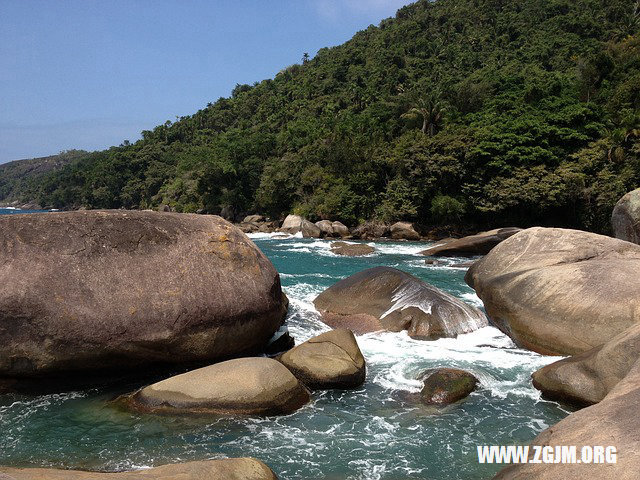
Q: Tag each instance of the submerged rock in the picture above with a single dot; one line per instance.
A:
(351, 249)
(625, 218)
(479, 244)
(443, 386)
(588, 377)
(100, 290)
(252, 386)
(612, 422)
(384, 298)
(223, 469)
(330, 360)
(404, 231)
(558, 291)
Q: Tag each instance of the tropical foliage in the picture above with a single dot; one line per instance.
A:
(455, 111)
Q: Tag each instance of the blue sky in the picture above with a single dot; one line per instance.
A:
(91, 73)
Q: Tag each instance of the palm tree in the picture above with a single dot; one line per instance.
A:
(431, 109)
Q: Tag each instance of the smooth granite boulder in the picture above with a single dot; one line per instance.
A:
(98, 290)
(223, 469)
(340, 229)
(625, 219)
(479, 244)
(385, 298)
(330, 360)
(443, 386)
(326, 228)
(559, 291)
(588, 377)
(404, 231)
(245, 386)
(614, 422)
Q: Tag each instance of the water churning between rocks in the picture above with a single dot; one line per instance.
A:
(373, 432)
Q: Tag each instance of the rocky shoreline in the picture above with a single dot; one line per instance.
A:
(90, 290)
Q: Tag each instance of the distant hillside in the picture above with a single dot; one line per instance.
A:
(20, 180)
(484, 112)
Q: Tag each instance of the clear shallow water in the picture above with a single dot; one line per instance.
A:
(374, 432)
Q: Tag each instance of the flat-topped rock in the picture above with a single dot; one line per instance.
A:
(384, 298)
(95, 290)
(223, 469)
(479, 244)
(252, 386)
(559, 291)
(351, 249)
(330, 360)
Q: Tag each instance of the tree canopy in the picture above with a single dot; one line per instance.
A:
(477, 111)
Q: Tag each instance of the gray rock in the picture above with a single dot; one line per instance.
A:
(625, 218)
(558, 291)
(97, 290)
(479, 244)
(253, 386)
(404, 231)
(330, 360)
(384, 298)
(443, 386)
(351, 249)
(588, 377)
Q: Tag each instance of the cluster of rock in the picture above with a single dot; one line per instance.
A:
(568, 292)
(259, 385)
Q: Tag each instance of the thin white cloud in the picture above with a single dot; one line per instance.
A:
(334, 9)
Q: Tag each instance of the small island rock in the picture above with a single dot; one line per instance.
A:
(330, 360)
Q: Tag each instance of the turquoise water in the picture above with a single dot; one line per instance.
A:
(374, 432)
(8, 211)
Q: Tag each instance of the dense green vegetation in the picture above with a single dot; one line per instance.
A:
(480, 112)
(22, 179)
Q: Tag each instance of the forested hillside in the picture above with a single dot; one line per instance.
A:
(22, 179)
(455, 111)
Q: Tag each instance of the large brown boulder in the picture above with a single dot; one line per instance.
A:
(251, 385)
(625, 218)
(404, 231)
(224, 469)
(558, 291)
(330, 360)
(351, 249)
(588, 377)
(384, 298)
(612, 422)
(479, 244)
(123, 289)
(443, 386)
